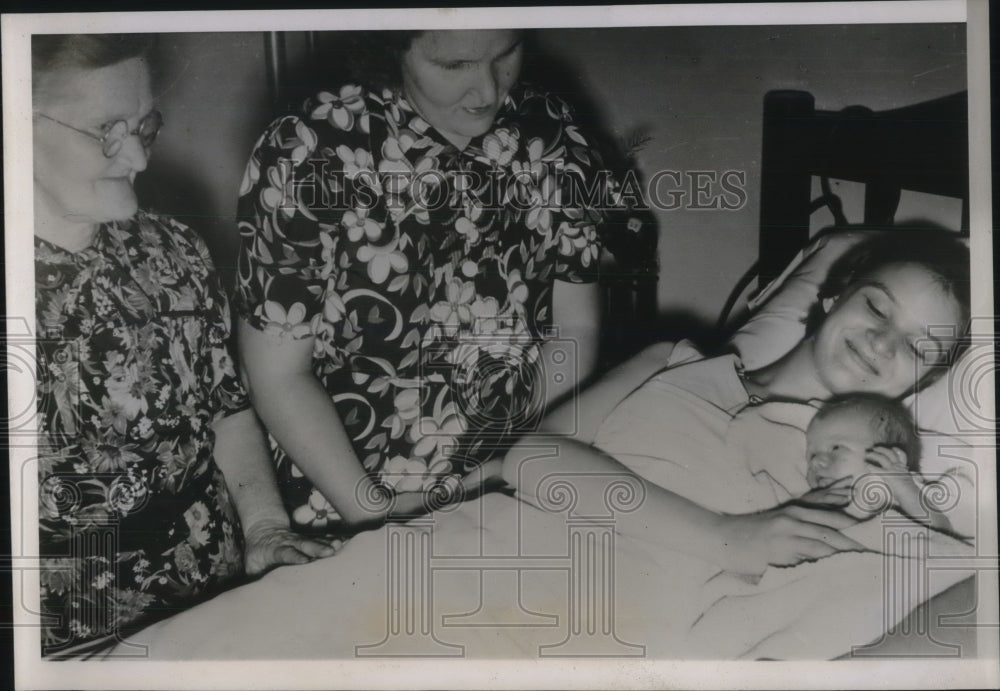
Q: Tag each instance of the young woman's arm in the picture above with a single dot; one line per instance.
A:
(581, 417)
(570, 357)
(740, 543)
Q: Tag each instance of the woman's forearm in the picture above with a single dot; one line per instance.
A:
(242, 454)
(663, 517)
(243, 457)
(570, 357)
(298, 412)
(300, 415)
(744, 543)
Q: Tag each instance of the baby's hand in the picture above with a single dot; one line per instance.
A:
(889, 469)
(888, 458)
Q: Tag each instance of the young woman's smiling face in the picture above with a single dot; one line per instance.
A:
(73, 178)
(876, 339)
(457, 80)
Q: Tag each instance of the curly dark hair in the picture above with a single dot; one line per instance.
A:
(939, 251)
(370, 58)
(374, 58)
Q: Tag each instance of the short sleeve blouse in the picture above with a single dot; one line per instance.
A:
(134, 367)
(423, 272)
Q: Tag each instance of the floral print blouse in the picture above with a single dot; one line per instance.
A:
(133, 368)
(423, 272)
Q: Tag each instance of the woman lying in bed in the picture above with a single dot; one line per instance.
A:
(673, 433)
(872, 336)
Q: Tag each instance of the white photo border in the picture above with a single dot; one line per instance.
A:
(32, 672)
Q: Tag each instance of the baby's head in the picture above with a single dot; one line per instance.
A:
(844, 430)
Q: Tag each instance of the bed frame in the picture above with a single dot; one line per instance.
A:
(922, 147)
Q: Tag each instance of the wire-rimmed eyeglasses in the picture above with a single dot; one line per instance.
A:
(115, 134)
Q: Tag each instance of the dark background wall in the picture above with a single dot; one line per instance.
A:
(695, 93)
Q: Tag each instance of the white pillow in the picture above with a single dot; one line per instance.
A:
(779, 311)
(778, 322)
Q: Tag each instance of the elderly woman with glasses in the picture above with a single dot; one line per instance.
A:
(156, 488)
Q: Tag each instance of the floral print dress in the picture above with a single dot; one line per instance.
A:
(423, 272)
(133, 368)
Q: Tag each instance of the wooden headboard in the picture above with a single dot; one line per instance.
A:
(922, 147)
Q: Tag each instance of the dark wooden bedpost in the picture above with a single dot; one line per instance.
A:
(785, 180)
(274, 57)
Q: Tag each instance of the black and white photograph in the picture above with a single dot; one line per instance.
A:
(542, 347)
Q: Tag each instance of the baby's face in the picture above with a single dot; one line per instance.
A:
(836, 447)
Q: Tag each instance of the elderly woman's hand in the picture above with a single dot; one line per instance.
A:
(784, 536)
(272, 543)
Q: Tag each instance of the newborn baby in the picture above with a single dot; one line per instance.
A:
(863, 451)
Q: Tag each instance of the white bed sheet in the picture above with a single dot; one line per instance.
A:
(501, 584)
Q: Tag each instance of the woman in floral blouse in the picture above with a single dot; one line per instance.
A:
(156, 489)
(416, 274)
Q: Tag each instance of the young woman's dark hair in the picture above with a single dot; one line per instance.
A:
(942, 253)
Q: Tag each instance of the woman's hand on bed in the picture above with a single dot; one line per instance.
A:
(784, 536)
(272, 544)
(835, 495)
